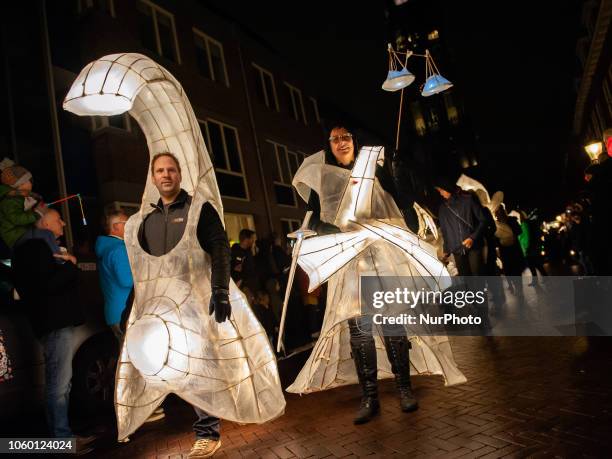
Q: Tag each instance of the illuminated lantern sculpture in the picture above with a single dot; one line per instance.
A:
(374, 241)
(172, 344)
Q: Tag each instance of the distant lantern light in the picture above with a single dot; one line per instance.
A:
(433, 35)
(594, 149)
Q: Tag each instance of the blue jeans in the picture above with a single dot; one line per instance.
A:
(57, 347)
(206, 426)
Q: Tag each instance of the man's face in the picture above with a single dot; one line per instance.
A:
(445, 194)
(166, 177)
(341, 143)
(250, 242)
(54, 223)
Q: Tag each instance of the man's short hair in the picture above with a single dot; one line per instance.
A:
(110, 216)
(245, 233)
(169, 155)
(44, 212)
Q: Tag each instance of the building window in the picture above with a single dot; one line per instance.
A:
(451, 109)
(224, 148)
(597, 131)
(129, 208)
(289, 225)
(433, 119)
(105, 6)
(157, 31)
(284, 164)
(235, 222)
(117, 121)
(314, 106)
(210, 57)
(608, 96)
(297, 104)
(601, 117)
(266, 90)
(419, 121)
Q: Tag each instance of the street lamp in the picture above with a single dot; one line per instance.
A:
(594, 149)
(399, 77)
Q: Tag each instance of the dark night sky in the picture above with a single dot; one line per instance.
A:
(514, 62)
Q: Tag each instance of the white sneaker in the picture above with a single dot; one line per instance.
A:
(204, 447)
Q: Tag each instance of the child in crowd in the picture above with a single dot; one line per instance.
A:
(20, 208)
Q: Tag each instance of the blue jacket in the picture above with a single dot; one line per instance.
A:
(115, 276)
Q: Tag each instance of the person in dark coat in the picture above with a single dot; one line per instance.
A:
(264, 314)
(48, 291)
(243, 267)
(463, 223)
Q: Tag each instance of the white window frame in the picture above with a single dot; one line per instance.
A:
(227, 161)
(207, 40)
(250, 220)
(275, 146)
(104, 124)
(117, 205)
(294, 223)
(315, 106)
(158, 9)
(261, 71)
(84, 5)
(292, 92)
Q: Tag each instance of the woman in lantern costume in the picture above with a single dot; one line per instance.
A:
(362, 232)
(225, 368)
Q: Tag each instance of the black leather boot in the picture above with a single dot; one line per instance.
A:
(398, 348)
(364, 355)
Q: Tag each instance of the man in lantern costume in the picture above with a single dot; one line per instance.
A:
(219, 360)
(362, 231)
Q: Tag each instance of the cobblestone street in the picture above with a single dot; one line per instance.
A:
(525, 397)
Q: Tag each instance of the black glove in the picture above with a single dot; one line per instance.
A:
(324, 228)
(220, 305)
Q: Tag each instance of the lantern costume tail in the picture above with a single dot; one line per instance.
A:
(172, 344)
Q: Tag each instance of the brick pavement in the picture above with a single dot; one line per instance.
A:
(525, 397)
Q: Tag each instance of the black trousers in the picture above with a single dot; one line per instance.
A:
(470, 263)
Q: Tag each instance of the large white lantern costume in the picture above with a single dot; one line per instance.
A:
(172, 344)
(374, 241)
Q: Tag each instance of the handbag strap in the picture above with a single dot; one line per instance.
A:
(459, 217)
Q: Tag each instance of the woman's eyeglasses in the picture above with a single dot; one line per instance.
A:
(341, 138)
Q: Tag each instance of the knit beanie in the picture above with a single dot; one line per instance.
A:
(13, 175)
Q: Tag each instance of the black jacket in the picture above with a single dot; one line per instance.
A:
(248, 273)
(461, 217)
(386, 182)
(47, 288)
(163, 228)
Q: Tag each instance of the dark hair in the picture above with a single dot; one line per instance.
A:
(169, 155)
(245, 233)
